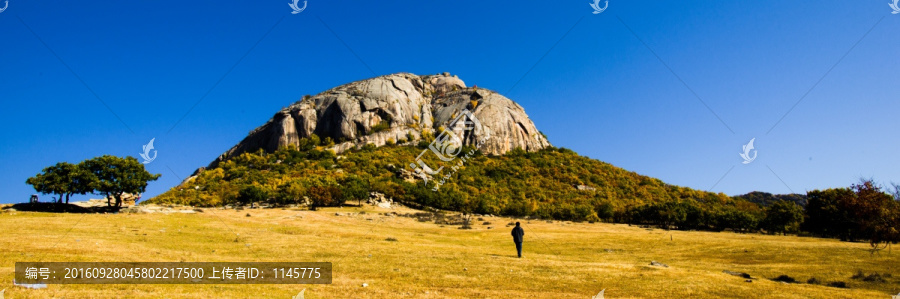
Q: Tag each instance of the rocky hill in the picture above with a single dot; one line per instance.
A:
(397, 108)
(386, 138)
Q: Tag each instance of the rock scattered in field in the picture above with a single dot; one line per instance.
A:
(35, 286)
(741, 274)
(379, 200)
(365, 285)
(838, 284)
(785, 279)
(658, 264)
(151, 209)
(874, 277)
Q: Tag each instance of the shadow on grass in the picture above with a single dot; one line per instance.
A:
(60, 208)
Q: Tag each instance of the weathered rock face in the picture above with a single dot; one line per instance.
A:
(399, 107)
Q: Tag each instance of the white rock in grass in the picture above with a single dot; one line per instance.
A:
(35, 286)
(365, 285)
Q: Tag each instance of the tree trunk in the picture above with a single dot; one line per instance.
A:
(108, 203)
(118, 200)
(67, 197)
(59, 200)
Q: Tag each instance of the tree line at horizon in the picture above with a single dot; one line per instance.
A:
(108, 175)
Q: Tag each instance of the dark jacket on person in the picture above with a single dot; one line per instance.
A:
(518, 233)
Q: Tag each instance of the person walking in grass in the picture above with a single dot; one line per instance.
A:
(518, 234)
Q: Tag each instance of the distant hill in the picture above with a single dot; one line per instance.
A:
(767, 199)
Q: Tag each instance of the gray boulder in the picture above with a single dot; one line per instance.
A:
(394, 108)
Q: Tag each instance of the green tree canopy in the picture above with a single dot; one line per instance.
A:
(355, 188)
(253, 193)
(117, 176)
(783, 217)
(63, 179)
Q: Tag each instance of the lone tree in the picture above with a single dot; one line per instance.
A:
(324, 196)
(117, 176)
(877, 213)
(63, 179)
(354, 187)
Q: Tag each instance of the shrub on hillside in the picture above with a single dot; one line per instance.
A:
(252, 194)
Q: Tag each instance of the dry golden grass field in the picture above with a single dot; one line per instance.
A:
(562, 259)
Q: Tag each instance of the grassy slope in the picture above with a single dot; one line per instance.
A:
(562, 260)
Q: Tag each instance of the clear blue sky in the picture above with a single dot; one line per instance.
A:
(669, 89)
